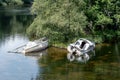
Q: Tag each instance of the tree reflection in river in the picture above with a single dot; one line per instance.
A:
(11, 24)
(104, 66)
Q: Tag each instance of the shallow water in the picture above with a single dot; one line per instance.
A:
(51, 64)
(16, 66)
(105, 65)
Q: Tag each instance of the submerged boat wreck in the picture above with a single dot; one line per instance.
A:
(80, 49)
(36, 45)
(32, 46)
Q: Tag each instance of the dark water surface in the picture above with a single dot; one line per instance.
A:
(51, 64)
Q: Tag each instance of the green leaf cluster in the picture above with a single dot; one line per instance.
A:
(103, 17)
(11, 2)
(15, 2)
(64, 21)
(59, 20)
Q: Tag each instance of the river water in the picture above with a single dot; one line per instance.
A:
(51, 64)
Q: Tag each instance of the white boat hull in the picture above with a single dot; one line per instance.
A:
(89, 46)
(35, 47)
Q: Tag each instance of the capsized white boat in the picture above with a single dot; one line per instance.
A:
(32, 46)
(36, 45)
(81, 46)
(79, 50)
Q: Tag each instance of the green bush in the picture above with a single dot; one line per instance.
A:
(60, 20)
(64, 21)
(11, 2)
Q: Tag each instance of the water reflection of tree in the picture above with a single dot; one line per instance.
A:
(14, 24)
(104, 66)
(117, 51)
(4, 23)
(11, 24)
(55, 66)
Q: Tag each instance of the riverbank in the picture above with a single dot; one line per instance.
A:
(98, 45)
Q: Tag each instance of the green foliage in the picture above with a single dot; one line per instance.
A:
(102, 11)
(103, 17)
(14, 2)
(59, 20)
(103, 20)
(117, 17)
(67, 20)
(11, 2)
